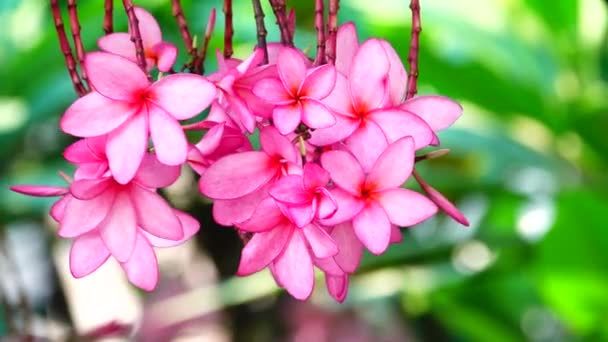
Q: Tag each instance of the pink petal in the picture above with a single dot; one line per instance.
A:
(394, 166)
(405, 207)
(119, 229)
(287, 118)
(350, 249)
(118, 43)
(329, 266)
(315, 114)
(348, 207)
(366, 144)
(82, 216)
(339, 100)
(373, 228)
(314, 176)
(344, 170)
(397, 76)
(347, 43)
(396, 124)
(114, 76)
(326, 205)
(182, 96)
(292, 69)
(79, 152)
(343, 128)
(211, 140)
(289, 189)
(235, 211)
(87, 254)
(273, 91)
(58, 208)
(293, 268)
(319, 82)
(189, 224)
(263, 248)
(126, 148)
(165, 55)
(443, 203)
(142, 267)
(91, 170)
(367, 75)
(439, 112)
(168, 137)
(86, 189)
(95, 114)
(299, 214)
(237, 175)
(337, 286)
(276, 145)
(252, 61)
(240, 113)
(155, 215)
(265, 217)
(148, 27)
(396, 236)
(321, 244)
(154, 174)
(40, 190)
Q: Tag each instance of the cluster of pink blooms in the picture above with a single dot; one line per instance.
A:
(337, 143)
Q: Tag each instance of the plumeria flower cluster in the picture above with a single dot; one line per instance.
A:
(337, 142)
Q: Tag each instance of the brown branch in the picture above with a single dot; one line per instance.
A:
(332, 29)
(278, 8)
(412, 58)
(198, 64)
(228, 28)
(135, 34)
(260, 28)
(291, 21)
(178, 13)
(108, 21)
(66, 49)
(75, 28)
(320, 26)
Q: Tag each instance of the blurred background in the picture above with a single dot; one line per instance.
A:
(528, 167)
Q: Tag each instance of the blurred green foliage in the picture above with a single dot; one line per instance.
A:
(528, 162)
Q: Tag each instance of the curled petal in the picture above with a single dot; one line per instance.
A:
(321, 244)
(155, 215)
(40, 190)
(238, 210)
(87, 254)
(443, 203)
(165, 55)
(293, 268)
(337, 286)
(348, 207)
(397, 76)
(394, 166)
(263, 248)
(266, 216)
(326, 204)
(183, 96)
(350, 249)
(189, 224)
(344, 170)
(406, 207)
(89, 150)
(314, 176)
(289, 189)
(86, 189)
(373, 228)
(58, 208)
(142, 267)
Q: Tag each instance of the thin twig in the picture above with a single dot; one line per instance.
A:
(108, 20)
(178, 13)
(260, 28)
(433, 154)
(332, 29)
(291, 23)
(135, 34)
(320, 26)
(228, 28)
(75, 28)
(198, 66)
(278, 8)
(412, 58)
(66, 49)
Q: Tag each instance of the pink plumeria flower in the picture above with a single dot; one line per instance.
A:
(376, 200)
(89, 251)
(157, 52)
(363, 121)
(304, 198)
(128, 108)
(239, 174)
(286, 249)
(297, 93)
